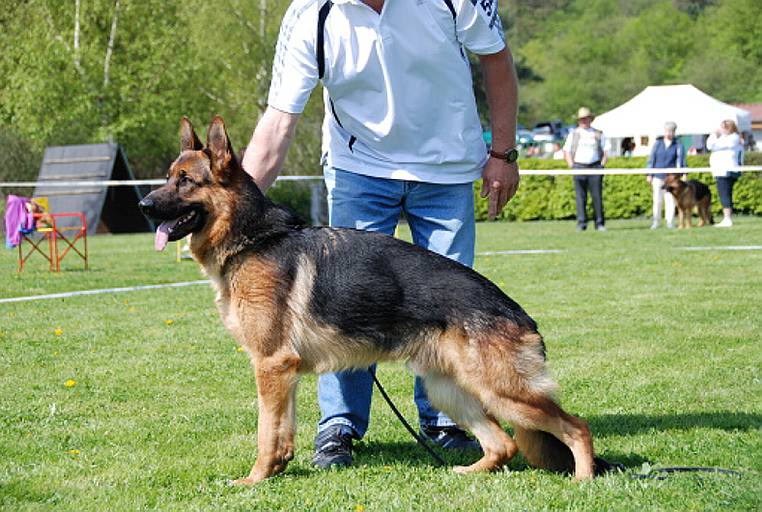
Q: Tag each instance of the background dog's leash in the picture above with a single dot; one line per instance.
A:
(647, 472)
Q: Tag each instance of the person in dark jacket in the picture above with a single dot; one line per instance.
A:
(666, 153)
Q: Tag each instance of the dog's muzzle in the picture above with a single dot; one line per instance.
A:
(147, 206)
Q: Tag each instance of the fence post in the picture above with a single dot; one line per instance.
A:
(318, 204)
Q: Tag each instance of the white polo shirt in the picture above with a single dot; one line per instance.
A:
(588, 150)
(397, 85)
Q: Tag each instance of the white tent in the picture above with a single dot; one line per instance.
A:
(694, 111)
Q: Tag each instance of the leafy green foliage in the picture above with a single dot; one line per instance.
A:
(169, 59)
(200, 58)
(600, 53)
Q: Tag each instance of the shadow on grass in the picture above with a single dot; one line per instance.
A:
(386, 454)
(633, 227)
(624, 424)
(383, 454)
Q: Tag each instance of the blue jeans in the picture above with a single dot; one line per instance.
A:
(441, 219)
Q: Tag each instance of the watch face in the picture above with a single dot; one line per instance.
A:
(511, 155)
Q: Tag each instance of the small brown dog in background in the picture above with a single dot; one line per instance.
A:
(689, 194)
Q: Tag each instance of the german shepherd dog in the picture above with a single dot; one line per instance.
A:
(316, 299)
(690, 194)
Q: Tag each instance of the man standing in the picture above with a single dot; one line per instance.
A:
(401, 134)
(667, 153)
(585, 148)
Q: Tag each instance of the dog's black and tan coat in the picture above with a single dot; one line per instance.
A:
(315, 299)
(688, 195)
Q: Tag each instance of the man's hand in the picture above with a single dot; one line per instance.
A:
(500, 183)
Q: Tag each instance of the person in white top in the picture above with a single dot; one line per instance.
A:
(401, 134)
(585, 148)
(727, 152)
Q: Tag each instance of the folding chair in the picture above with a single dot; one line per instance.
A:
(47, 225)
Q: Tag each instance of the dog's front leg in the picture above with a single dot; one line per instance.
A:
(276, 391)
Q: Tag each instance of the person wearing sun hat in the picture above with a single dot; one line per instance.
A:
(585, 148)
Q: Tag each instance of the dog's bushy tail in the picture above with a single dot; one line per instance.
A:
(543, 450)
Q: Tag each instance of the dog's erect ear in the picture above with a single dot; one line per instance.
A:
(218, 143)
(189, 141)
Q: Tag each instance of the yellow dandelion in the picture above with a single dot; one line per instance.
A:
(70, 383)
(239, 349)
(359, 508)
(74, 452)
(131, 309)
(169, 321)
(58, 331)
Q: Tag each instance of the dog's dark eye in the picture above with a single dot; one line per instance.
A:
(185, 180)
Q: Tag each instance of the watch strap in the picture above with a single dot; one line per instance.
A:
(509, 155)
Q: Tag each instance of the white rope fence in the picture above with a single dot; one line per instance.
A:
(523, 172)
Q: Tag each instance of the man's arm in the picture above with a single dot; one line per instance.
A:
(501, 179)
(568, 158)
(568, 143)
(266, 151)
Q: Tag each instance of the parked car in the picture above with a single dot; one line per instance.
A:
(549, 131)
(523, 136)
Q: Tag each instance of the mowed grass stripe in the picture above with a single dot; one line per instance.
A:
(65, 295)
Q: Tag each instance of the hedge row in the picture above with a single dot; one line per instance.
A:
(552, 197)
(624, 196)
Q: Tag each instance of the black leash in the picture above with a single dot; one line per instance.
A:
(654, 473)
(404, 422)
(650, 474)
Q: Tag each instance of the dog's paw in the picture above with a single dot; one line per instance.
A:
(244, 482)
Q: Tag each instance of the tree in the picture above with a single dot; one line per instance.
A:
(80, 72)
(728, 60)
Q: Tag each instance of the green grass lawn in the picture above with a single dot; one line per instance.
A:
(659, 348)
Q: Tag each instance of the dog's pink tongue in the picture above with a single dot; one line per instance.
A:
(162, 234)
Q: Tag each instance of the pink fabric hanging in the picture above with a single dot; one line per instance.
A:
(17, 218)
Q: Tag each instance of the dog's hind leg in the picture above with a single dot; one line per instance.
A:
(513, 385)
(705, 215)
(468, 412)
(277, 378)
(543, 414)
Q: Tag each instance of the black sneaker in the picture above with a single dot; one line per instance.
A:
(333, 447)
(450, 437)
